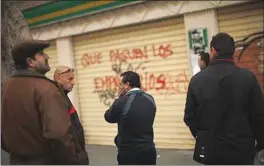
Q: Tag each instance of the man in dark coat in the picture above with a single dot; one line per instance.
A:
(225, 109)
(36, 125)
(65, 79)
(134, 111)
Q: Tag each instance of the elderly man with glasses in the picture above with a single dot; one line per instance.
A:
(36, 128)
(64, 78)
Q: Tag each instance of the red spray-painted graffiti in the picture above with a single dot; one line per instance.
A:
(165, 84)
(107, 82)
(161, 84)
(88, 60)
(126, 54)
(107, 86)
(163, 51)
(123, 55)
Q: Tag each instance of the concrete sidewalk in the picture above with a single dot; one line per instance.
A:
(106, 155)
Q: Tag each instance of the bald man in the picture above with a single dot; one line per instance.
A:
(64, 77)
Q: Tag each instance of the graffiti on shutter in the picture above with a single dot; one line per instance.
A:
(166, 83)
(249, 54)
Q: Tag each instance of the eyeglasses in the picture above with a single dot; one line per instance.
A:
(67, 71)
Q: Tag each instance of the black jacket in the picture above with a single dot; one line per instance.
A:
(135, 114)
(77, 130)
(241, 125)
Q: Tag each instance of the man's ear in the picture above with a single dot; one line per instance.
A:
(128, 84)
(30, 62)
(57, 78)
(212, 52)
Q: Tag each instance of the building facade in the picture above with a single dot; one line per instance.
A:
(158, 39)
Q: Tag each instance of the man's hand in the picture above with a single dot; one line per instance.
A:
(259, 159)
(122, 92)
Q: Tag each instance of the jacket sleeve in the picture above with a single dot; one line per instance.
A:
(257, 113)
(190, 113)
(113, 114)
(57, 127)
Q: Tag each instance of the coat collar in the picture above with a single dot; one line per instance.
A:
(136, 91)
(27, 72)
(30, 73)
(222, 61)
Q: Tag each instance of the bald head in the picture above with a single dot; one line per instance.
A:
(62, 69)
(64, 76)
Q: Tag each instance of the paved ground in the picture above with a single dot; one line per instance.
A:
(106, 155)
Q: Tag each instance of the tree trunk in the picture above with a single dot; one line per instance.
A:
(14, 28)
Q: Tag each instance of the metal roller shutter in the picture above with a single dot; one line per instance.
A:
(53, 59)
(245, 22)
(157, 51)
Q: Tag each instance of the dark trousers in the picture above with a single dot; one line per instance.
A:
(148, 157)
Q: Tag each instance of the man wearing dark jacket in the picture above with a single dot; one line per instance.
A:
(225, 109)
(134, 111)
(65, 79)
(35, 122)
